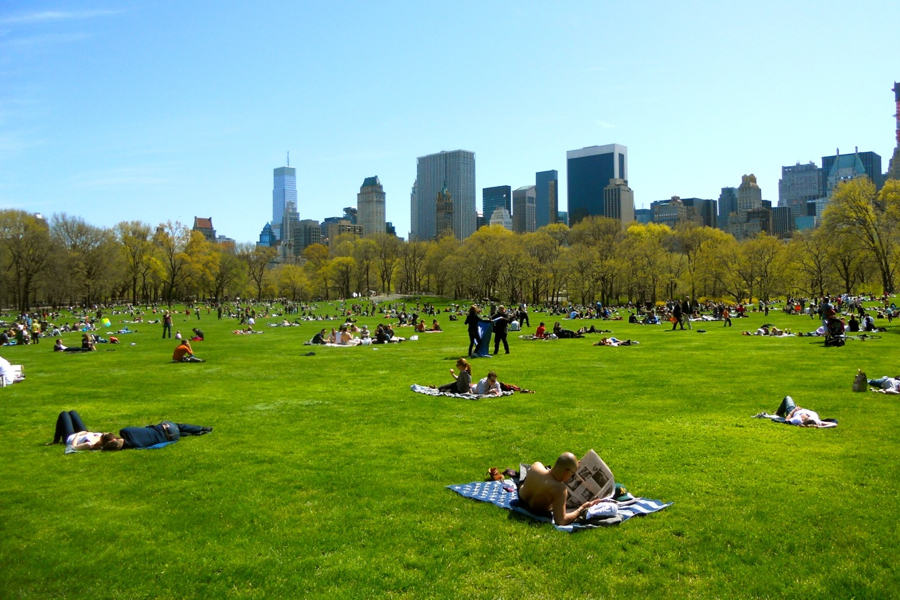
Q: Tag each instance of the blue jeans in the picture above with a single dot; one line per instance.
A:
(67, 423)
(786, 406)
(879, 382)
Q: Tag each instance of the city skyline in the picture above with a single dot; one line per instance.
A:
(139, 126)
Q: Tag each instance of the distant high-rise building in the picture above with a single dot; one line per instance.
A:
(501, 217)
(371, 204)
(728, 203)
(618, 202)
(643, 215)
(454, 171)
(523, 215)
(588, 172)
(444, 203)
(798, 185)
(841, 167)
(749, 195)
(669, 212)
(267, 236)
(205, 226)
(893, 171)
(304, 234)
(702, 210)
(494, 197)
(546, 201)
(336, 228)
(284, 191)
(782, 221)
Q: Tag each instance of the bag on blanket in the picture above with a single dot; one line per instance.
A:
(860, 384)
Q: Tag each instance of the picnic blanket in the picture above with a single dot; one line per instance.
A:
(430, 391)
(826, 423)
(493, 492)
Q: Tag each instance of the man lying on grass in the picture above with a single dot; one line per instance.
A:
(544, 490)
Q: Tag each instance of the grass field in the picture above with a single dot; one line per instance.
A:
(325, 475)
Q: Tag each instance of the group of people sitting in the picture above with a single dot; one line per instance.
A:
(344, 335)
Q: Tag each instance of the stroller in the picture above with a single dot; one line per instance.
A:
(834, 333)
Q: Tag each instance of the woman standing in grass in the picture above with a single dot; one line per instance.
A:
(473, 321)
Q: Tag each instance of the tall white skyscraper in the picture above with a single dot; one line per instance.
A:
(283, 193)
(454, 171)
(370, 203)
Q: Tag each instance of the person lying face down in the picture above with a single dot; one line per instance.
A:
(544, 490)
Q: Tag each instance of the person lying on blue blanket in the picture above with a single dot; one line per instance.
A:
(72, 430)
(544, 490)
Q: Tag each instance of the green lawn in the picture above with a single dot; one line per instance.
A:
(325, 475)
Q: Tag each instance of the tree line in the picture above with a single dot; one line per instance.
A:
(66, 261)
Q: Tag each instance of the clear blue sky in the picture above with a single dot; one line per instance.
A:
(168, 110)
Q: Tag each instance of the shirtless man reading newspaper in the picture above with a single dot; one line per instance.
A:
(545, 490)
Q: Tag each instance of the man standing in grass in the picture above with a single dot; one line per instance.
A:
(544, 490)
(167, 325)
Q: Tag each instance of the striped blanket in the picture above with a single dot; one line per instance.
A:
(493, 492)
(430, 391)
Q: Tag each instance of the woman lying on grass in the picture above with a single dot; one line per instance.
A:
(72, 430)
(885, 385)
(791, 414)
(611, 341)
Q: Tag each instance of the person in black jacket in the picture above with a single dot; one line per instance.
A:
(472, 321)
(501, 324)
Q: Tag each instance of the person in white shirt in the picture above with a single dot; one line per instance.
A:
(489, 386)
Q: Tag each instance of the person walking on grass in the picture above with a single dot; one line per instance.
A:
(726, 316)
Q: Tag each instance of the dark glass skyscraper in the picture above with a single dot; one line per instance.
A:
(589, 171)
(493, 198)
(546, 202)
(451, 171)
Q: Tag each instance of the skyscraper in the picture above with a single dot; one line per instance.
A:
(370, 202)
(523, 216)
(727, 205)
(798, 185)
(588, 172)
(284, 191)
(893, 171)
(456, 171)
(546, 201)
(844, 166)
(618, 202)
(749, 195)
(495, 197)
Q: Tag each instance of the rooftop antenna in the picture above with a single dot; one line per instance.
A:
(289, 158)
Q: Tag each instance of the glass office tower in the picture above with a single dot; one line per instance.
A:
(589, 171)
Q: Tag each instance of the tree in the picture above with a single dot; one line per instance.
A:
(365, 252)
(256, 259)
(857, 210)
(808, 252)
(87, 257)
(386, 259)
(136, 248)
(762, 265)
(412, 260)
(171, 240)
(293, 282)
(316, 257)
(341, 273)
(26, 244)
(645, 261)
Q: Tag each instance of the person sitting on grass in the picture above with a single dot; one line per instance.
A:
(885, 385)
(184, 353)
(87, 342)
(320, 338)
(564, 333)
(541, 332)
(198, 335)
(435, 326)
(489, 386)
(544, 490)
(463, 382)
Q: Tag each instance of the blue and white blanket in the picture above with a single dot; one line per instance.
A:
(493, 492)
(430, 391)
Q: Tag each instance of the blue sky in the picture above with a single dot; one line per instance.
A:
(168, 110)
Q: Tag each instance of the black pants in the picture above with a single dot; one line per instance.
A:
(500, 337)
(474, 340)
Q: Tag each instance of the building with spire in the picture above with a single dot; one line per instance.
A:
(284, 191)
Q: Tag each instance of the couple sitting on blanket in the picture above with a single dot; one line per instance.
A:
(544, 491)
(489, 386)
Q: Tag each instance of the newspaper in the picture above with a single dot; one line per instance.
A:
(592, 480)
